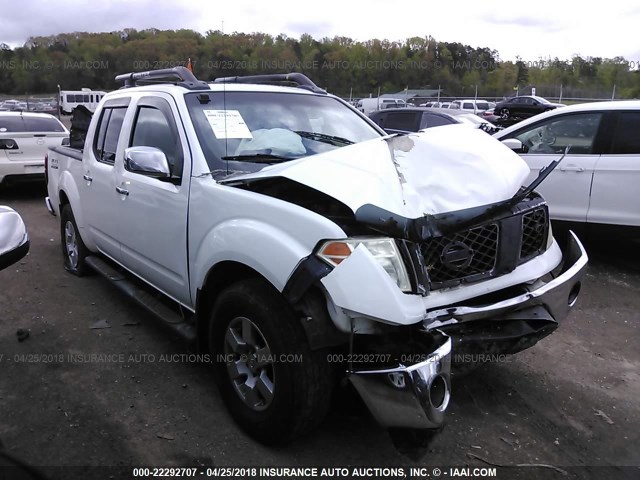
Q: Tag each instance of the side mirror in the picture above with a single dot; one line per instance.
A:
(14, 240)
(513, 143)
(148, 161)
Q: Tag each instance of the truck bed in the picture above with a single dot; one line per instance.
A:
(68, 152)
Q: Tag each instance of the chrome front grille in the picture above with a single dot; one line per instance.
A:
(467, 255)
(485, 251)
(534, 233)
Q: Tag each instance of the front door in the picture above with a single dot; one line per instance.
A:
(153, 213)
(567, 189)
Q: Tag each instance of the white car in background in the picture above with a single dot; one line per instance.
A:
(24, 141)
(598, 182)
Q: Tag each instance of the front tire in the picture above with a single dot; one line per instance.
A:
(73, 248)
(274, 385)
(504, 113)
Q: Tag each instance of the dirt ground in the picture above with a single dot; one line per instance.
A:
(570, 401)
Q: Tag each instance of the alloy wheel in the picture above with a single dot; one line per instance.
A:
(249, 363)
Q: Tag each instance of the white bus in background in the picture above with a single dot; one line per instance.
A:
(70, 99)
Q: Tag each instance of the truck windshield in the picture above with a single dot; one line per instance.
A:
(246, 131)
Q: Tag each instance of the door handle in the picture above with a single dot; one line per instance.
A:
(88, 178)
(571, 168)
(122, 191)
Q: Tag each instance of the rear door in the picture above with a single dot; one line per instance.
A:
(615, 195)
(517, 107)
(100, 200)
(567, 189)
(153, 212)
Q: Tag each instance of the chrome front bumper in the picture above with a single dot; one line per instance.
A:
(409, 397)
(558, 296)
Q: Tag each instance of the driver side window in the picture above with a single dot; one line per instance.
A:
(154, 128)
(554, 135)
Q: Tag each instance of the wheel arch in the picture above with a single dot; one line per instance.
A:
(219, 276)
(64, 199)
(310, 307)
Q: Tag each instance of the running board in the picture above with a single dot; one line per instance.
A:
(143, 298)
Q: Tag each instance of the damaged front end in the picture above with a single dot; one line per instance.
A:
(441, 241)
(514, 319)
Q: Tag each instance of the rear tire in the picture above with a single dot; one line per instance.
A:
(73, 248)
(274, 385)
(504, 113)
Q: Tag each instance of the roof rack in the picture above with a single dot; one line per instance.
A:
(298, 79)
(185, 78)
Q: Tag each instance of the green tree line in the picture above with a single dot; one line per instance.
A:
(340, 64)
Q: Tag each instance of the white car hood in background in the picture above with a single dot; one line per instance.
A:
(437, 170)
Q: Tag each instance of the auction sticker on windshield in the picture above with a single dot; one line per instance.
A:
(227, 124)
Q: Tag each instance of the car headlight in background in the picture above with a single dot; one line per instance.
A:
(384, 250)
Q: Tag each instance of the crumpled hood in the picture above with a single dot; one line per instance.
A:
(434, 171)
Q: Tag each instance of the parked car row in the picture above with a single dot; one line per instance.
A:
(413, 119)
(468, 105)
(39, 105)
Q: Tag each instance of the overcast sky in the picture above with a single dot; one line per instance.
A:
(531, 30)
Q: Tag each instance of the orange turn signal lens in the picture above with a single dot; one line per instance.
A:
(335, 252)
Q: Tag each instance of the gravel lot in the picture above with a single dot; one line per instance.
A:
(570, 401)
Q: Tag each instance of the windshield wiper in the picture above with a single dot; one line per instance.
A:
(544, 173)
(258, 158)
(321, 137)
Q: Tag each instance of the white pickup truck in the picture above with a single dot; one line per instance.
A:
(297, 243)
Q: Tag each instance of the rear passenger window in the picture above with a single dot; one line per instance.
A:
(109, 128)
(626, 135)
(379, 119)
(42, 124)
(11, 124)
(401, 121)
(429, 120)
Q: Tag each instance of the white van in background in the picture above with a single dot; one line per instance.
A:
(369, 105)
(470, 105)
(70, 99)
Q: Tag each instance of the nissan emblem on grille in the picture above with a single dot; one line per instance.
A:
(456, 255)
